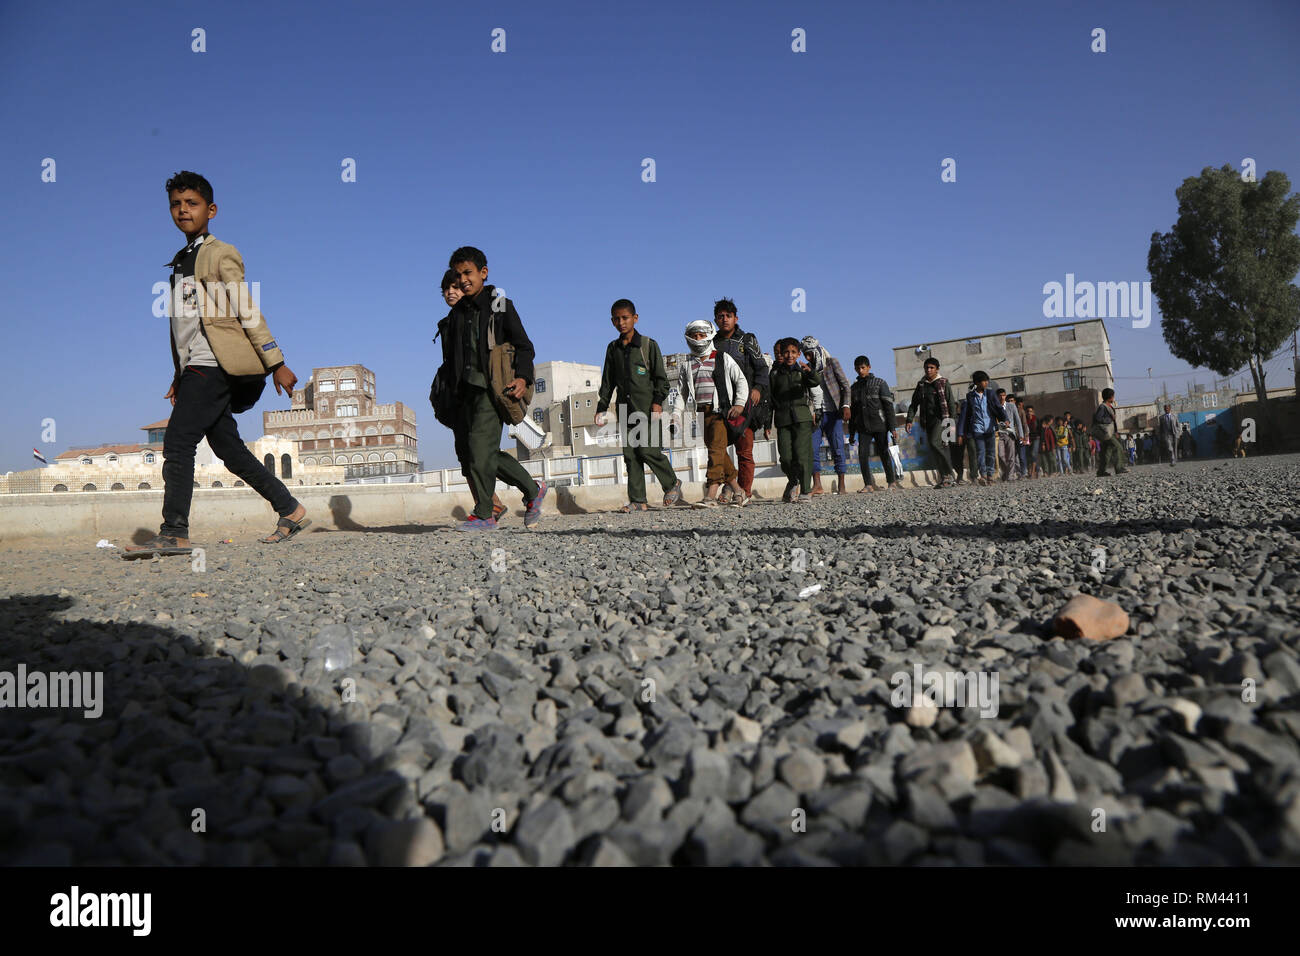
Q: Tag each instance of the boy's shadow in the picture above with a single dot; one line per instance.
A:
(194, 759)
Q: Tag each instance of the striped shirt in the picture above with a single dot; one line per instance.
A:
(704, 390)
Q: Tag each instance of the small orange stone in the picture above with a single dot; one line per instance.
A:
(1091, 619)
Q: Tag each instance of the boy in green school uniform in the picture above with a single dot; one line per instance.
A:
(634, 367)
(792, 382)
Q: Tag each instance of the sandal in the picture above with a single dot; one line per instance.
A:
(673, 495)
(285, 529)
(498, 511)
(631, 506)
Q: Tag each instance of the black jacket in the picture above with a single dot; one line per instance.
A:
(508, 328)
(872, 405)
(744, 349)
(925, 402)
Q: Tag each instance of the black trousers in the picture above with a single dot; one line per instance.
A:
(880, 442)
(203, 410)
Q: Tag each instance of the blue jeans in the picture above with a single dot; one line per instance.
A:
(1063, 460)
(830, 427)
(985, 453)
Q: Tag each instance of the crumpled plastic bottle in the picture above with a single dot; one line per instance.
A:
(334, 644)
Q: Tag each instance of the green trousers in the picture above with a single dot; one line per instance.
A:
(939, 451)
(794, 446)
(1111, 456)
(478, 439)
(637, 457)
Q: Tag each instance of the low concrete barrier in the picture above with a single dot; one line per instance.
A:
(221, 512)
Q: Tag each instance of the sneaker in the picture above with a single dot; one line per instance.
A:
(476, 523)
(533, 511)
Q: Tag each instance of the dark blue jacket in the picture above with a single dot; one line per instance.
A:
(966, 421)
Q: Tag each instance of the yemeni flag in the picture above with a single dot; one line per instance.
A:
(39, 457)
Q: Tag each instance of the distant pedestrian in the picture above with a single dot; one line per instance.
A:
(932, 403)
(1008, 437)
(1022, 436)
(1062, 447)
(1047, 451)
(1105, 424)
(1035, 429)
(1082, 449)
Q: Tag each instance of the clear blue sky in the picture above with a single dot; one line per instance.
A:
(775, 170)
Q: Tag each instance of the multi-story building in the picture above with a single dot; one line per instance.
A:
(335, 420)
(554, 386)
(1039, 361)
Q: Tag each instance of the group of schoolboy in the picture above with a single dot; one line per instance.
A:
(222, 353)
(993, 433)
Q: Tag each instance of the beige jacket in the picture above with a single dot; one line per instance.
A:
(235, 328)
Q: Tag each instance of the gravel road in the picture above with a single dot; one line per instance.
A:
(685, 687)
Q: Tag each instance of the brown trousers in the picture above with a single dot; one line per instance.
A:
(721, 469)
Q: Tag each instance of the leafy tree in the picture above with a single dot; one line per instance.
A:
(1222, 275)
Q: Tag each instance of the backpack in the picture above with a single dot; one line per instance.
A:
(501, 372)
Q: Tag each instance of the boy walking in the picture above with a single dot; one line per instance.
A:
(792, 382)
(831, 413)
(713, 385)
(222, 352)
(932, 402)
(1105, 421)
(451, 294)
(481, 318)
(978, 423)
(744, 350)
(872, 419)
(634, 367)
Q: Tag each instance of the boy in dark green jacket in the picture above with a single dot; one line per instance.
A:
(635, 367)
(791, 383)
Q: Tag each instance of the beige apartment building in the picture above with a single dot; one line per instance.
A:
(1043, 360)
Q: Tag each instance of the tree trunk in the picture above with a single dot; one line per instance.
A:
(1257, 373)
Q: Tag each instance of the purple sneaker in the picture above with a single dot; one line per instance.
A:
(476, 523)
(533, 510)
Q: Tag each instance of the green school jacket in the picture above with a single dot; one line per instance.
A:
(790, 391)
(636, 370)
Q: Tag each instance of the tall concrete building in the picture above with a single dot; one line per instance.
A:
(335, 420)
(1038, 361)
